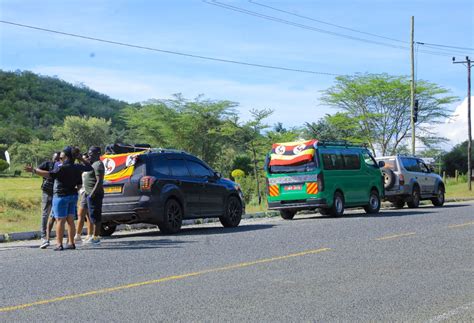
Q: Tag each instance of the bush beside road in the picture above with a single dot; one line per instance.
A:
(20, 199)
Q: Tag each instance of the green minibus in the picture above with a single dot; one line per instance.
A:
(325, 175)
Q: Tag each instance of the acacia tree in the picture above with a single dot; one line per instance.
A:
(249, 135)
(84, 132)
(380, 106)
(191, 125)
(338, 126)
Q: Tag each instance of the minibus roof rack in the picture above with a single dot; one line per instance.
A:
(342, 143)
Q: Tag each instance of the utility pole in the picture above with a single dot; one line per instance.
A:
(412, 89)
(469, 142)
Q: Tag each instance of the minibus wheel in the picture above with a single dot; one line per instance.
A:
(337, 208)
(287, 214)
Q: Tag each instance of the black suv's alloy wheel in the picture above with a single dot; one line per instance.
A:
(173, 217)
(233, 213)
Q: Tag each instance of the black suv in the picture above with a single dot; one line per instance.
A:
(166, 187)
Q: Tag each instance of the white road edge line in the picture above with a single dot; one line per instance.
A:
(449, 314)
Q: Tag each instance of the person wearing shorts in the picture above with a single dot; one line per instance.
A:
(67, 179)
(82, 212)
(93, 185)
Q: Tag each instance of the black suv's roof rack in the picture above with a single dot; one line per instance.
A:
(169, 150)
(344, 143)
(126, 148)
(119, 148)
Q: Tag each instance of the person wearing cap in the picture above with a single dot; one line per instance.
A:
(67, 179)
(93, 186)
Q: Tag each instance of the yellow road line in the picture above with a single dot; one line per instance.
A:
(396, 236)
(460, 225)
(161, 280)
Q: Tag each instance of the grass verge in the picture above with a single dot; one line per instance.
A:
(20, 202)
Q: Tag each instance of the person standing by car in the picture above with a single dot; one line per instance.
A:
(82, 212)
(93, 186)
(47, 199)
(66, 178)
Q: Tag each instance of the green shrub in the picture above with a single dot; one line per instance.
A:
(3, 165)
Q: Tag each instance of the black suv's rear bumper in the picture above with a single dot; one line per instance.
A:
(140, 210)
(298, 205)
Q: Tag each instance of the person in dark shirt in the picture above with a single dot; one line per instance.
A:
(94, 192)
(67, 178)
(47, 200)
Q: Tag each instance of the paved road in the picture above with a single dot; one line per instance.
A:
(401, 265)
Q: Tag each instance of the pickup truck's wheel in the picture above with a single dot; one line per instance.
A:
(106, 230)
(233, 213)
(172, 217)
(374, 203)
(287, 214)
(439, 199)
(398, 203)
(388, 178)
(414, 201)
(337, 208)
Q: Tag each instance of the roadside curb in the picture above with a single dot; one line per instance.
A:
(31, 235)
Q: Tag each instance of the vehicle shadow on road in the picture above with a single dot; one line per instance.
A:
(117, 244)
(446, 206)
(362, 214)
(194, 231)
(8, 248)
(220, 230)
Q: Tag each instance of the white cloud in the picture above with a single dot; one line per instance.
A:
(293, 107)
(455, 128)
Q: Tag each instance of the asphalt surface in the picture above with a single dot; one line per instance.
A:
(400, 265)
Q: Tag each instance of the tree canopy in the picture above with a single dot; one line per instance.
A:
(379, 105)
(30, 105)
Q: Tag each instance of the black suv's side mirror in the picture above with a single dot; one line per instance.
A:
(381, 164)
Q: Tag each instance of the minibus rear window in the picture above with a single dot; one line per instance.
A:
(300, 168)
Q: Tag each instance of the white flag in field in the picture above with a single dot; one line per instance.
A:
(7, 157)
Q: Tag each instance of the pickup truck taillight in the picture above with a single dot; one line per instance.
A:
(401, 180)
(146, 182)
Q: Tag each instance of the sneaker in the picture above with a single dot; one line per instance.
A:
(59, 248)
(95, 242)
(78, 238)
(70, 247)
(44, 244)
(88, 240)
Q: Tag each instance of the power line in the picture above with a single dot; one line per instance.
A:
(295, 24)
(435, 46)
(298, 25)
(447, 46)
(450, 51)
(328, 23)
(222, 60)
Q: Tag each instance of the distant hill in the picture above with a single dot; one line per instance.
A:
(31, 104)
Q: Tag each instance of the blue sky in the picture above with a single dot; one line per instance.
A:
(198, 28)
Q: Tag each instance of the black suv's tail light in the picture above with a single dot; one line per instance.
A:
(146, 182)
(320, 182)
